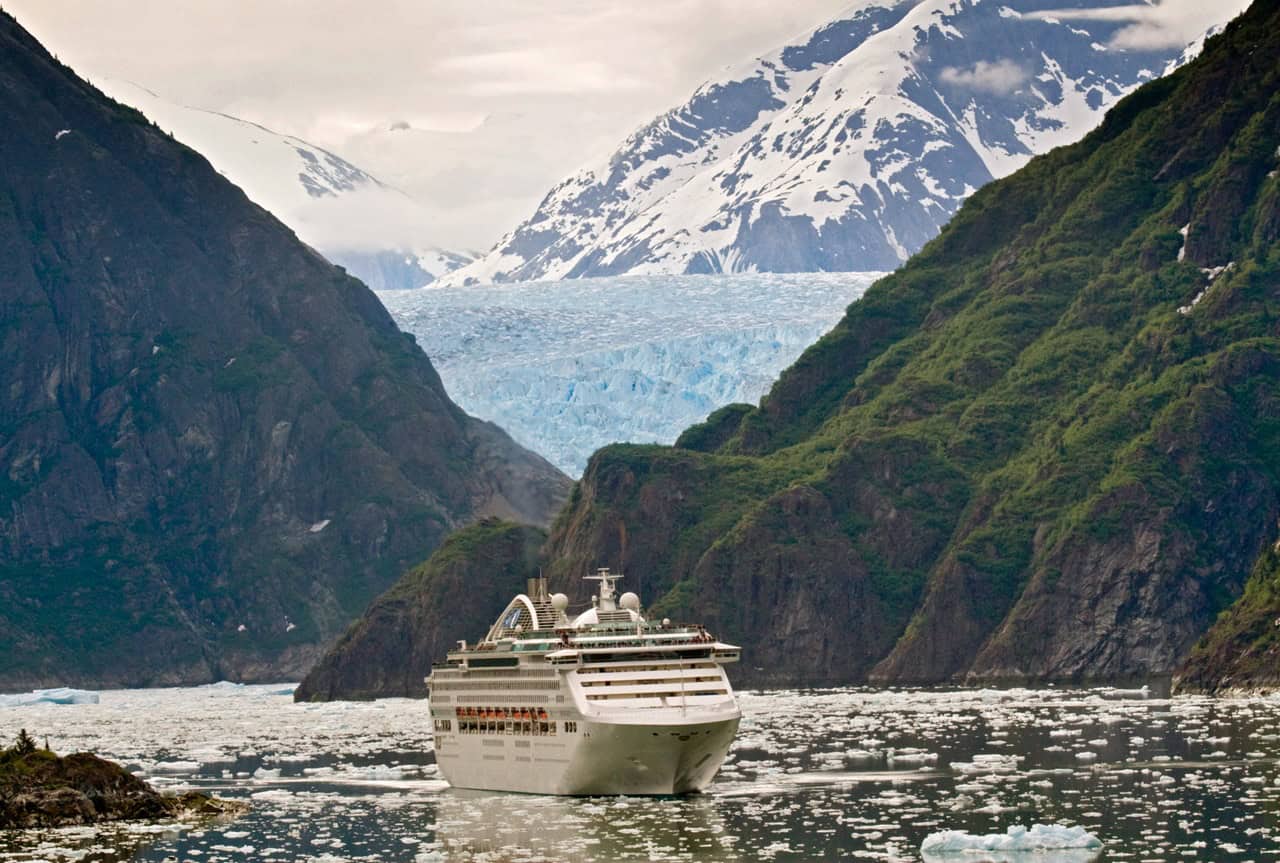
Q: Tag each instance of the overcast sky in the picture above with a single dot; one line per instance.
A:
(476, 107)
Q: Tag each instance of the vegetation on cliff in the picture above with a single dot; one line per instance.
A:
(1048, 447)
(1241, 653)
(215, 448)
(41, 789)
(455, 594)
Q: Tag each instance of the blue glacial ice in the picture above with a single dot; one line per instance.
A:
(59, 695)
(568, 367)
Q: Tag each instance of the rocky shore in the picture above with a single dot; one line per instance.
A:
(39, 788)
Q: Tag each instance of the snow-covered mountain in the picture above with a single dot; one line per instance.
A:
(372, 229)
(567, 367)
(849, 149)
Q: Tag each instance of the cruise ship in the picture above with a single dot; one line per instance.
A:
(604, 703)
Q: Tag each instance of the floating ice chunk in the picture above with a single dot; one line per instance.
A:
(58, 135)
(175, 767)
(1041, 837)
(320, 525)
(60, 695)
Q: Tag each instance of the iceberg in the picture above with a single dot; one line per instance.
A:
(1068, 844)
(59, 695)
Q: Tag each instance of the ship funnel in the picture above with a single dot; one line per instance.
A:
(536, 588)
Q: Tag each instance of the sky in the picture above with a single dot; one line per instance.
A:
(474, 107)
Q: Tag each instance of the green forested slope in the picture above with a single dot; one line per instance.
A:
(1047, 447)
(455, 594)
(1241, 653)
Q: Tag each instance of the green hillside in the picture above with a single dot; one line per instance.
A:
(455, 594)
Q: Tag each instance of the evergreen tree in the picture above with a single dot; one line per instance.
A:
(25, 744)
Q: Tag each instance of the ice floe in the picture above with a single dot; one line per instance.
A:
(1039, 837)
(59, 695)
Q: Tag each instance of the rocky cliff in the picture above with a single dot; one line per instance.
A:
(1241, 653)
(1044, 449)
(215, 447)
(41, 789)
(455, 594)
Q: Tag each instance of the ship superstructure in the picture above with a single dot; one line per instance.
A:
(604, 703)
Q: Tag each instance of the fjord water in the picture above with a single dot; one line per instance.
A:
(814, 775)
(567, 367)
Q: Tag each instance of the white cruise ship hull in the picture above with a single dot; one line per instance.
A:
(600, 758)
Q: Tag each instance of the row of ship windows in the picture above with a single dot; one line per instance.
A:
(442, 685)
(676, 693)
(666, 666)
(644, 681)
(475, 725)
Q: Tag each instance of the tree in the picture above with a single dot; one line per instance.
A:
(25, 744)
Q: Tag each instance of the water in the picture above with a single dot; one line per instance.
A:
(814, 775)
(568, 367)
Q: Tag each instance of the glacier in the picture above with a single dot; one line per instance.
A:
(567, 367)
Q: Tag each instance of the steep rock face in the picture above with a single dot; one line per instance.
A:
(215, 447)
(1241, 653)
(849, 150)
(455, 594)
(1045, 448)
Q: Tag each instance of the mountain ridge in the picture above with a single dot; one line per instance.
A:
(844, 152)
(369, 227)
(215, 446)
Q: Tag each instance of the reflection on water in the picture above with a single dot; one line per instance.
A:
(518, 827)
(814, 775)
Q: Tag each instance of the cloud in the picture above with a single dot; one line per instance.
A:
(1001, 77)
(1152, 26)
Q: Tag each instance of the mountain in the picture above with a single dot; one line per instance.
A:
(215, 447)
(388, 651)
(375, 231)
(1045, 448)
(850, 149)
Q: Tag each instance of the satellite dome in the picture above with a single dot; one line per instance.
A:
(629, 601)
(559, 601)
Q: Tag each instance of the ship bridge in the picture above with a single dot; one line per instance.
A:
(539, 610)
